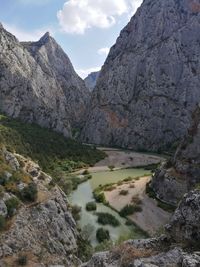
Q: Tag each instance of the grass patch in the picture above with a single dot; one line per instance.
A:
(107, 219)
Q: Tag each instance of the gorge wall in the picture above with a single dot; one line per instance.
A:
(149, 84)
(38, 84)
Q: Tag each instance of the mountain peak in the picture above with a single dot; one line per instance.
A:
(45, 38)
(1, 25)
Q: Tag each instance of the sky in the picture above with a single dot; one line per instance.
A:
(85, 29)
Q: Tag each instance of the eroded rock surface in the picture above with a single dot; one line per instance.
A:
(38, 83)
(181, 173)
(149, 84)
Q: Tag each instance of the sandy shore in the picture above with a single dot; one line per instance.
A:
(122, 159)
(152, 218)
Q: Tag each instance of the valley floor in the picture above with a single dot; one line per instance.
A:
(122, 159)
(152, 218)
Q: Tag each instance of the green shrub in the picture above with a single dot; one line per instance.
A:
(129, 210)
(12, 204)
(90, 206)
(102, 235)
(123, 192)
(128, 179)
(29, 193)
(76, 212)
(85, 172)
(111, 167)
(106, 218)
(2, 223)
(99, 197)
(22, 260)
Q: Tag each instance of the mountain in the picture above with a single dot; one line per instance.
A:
(38, 83)
(54, 62)
(149, 84)
(181, 173)
(91, 80)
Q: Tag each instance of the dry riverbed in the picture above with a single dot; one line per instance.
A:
(122, 159)
(151, 218)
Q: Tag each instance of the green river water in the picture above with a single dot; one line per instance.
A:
(83, 194)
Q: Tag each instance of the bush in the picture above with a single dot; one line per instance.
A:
(102, 235)
(111, 167)
(22, 260)
(12, 204)
(129, 210)
(106, 218)
(123, 192)
(85, 172)
(29, 193)
(99, 197)
(76, 212)
(2, 223)
(90, 206)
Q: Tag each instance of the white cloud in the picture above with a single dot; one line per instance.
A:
(83, 73)
(104, 51)
(23, 35)
(79, 15)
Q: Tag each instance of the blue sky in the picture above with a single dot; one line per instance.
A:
(85, 29)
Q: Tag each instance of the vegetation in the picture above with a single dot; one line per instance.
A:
(129, 210)
(12, 204)
(102, 235)
(99, 195)
(52, 150)
(2, 223)
(22, 260)
(111, 167)
(76, 212)
(29, 193)
(90, 206)
(123, 192)
(106, 218)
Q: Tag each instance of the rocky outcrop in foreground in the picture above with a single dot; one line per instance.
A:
(40, 232)
(38, 83)
(179, 246)
(181, 173)
(149, 84)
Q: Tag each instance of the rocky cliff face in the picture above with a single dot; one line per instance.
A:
(177, 247)
(41, 232)
(181, 173)
(91, 80)
(149, 84)
(38, 83)
(54, 62)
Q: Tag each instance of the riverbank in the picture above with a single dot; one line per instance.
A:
(122, 159)
(152, 218)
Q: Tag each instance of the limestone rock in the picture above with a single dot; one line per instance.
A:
(54, 62)
(91, 80)
(181, 173)
(3, 209)
(184, 227)
(45, 229)
(149, 84)
(40, 87)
